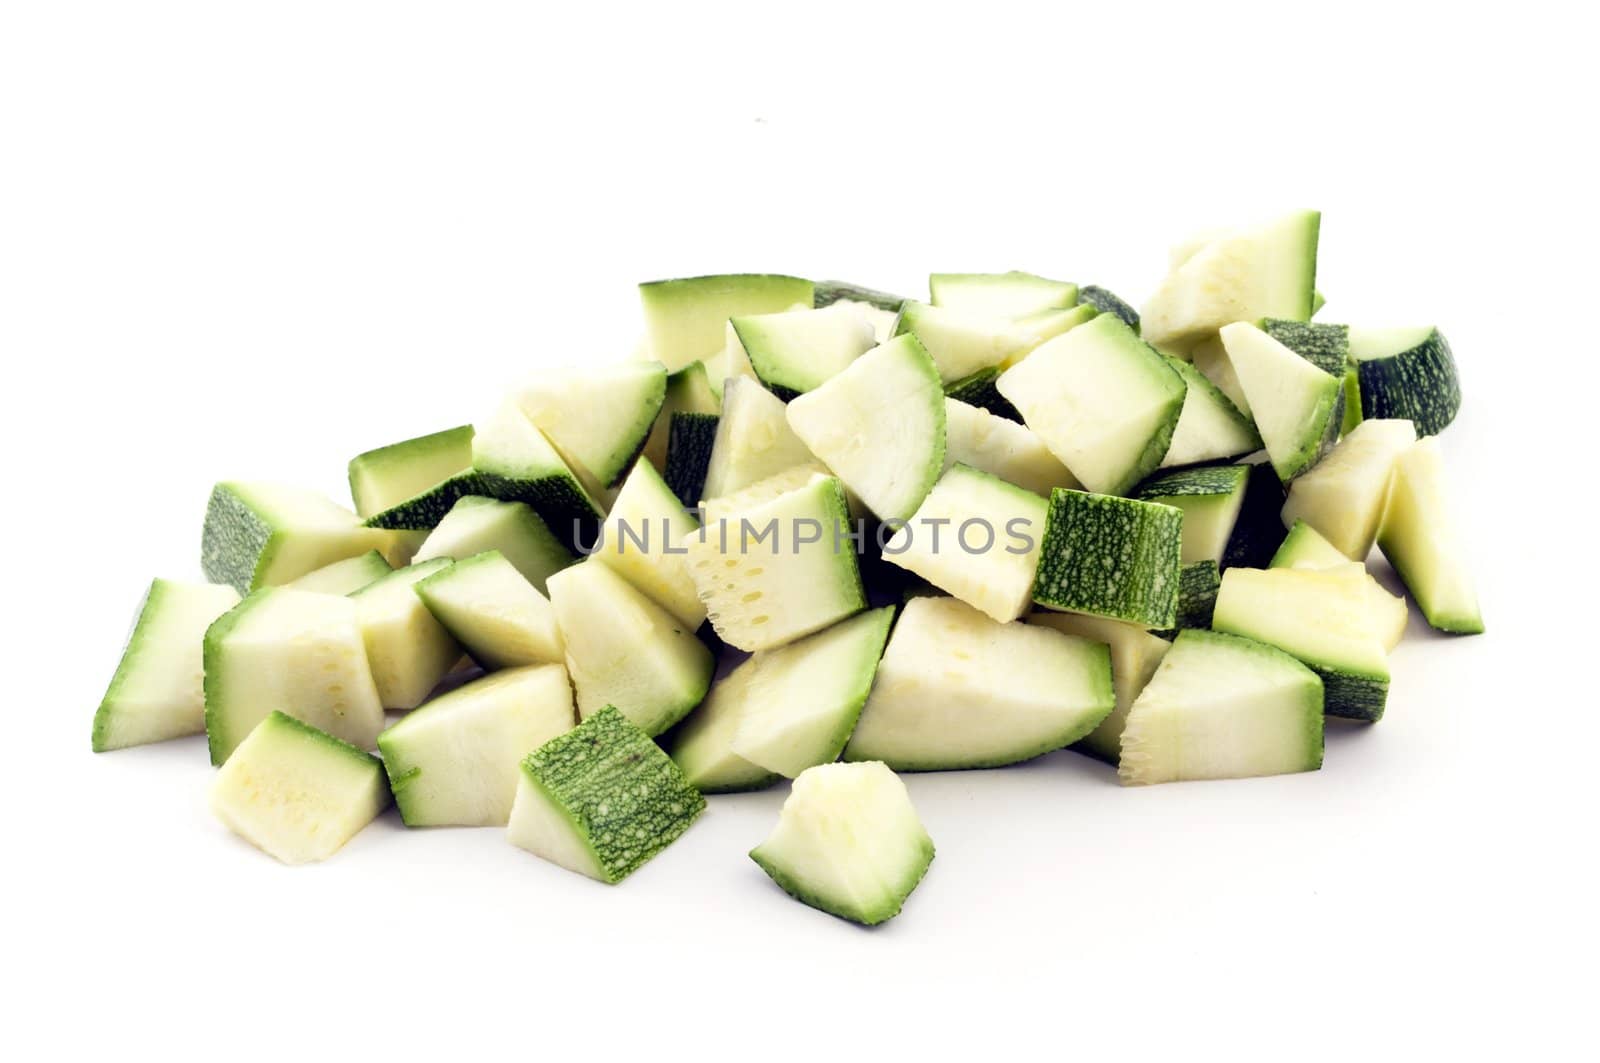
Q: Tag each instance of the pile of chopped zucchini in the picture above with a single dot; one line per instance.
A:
(916, 536)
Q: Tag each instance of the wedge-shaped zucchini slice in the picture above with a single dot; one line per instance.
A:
(1210, 426)
(625, 650)
(763, 491)
(498, 617)
(1259, 530)
(264, 535)
(779, 571)
(1264, 270)
(1304, 548)
(598, 419)
(753, 441)
(1003, 296)
(977, 537)
(803, 699)
(1211, 358)
(848, 842)
(1111, 557)
(1035, 329)
(689, 390)
(1407, 373)
(1297, 407)
(1102, 400)
(1135, 654)
(690, 441)
(794, 351)
(601, 800)
(1328, 348)
(157, 691)
(1343, 496)
(388, 476)
(344, 577)
(1001, 448)
(961, 344)
(643, 541)
(455, 761)
(957, 690)
(1221, 707)
(879, 425)
(1323, 617)
(513, 460)
(881, 309)
(702, 746)
(294, 651)
(685, 318)
(1421, 537)
(1198, 584)
(476, 525)
(297, 793)
(1107, 302)
(978, 389)
(1210, 498)
(408, 650)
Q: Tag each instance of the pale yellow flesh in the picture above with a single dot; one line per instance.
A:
(578, 411)
(538, 825)
(703, 746)
(1211, 358)
(1283, 388)
(753, 440)
(642, 539)
(1321, 615)
(1388, 612)
(1342, 497)
(499, 617)
(1420, 535)
(407, 649)
(1135, 656)
(1002, 448)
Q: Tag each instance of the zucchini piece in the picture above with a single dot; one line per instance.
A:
(498, 617)
(1211, 358)
(879, 425)
(961, 344)
(1035, 329)
(753, 441)
(625, 650)
(476, 525)
(778, 571)
(1102, 400)
(690, 442)
(264, 534)
(598, 419)
(1111, 557)
(1259, 530)
(1407, 373)
(344, 577)
(1304, 548)
(1197, 597)
(803, 699)
(297, 793)
(827, 293)
(1298, 408)
(978, 389)
(848, 842)
(1210, 497)
(763, 491)
(795, 351)
(1001, 448)
(1135, 654)
(157, 692)
(1318, 301)
(601, 800)
(1328, 348)
(991, 535)
(1210, 427)
(689, 390)
(384, 478)
(685, 318)
(1265, 270)
(516, 462)
(1107, 303)
(1001, 296)
(455, 761)
(1343, 496)
(643, 541)
(296, 651)
(1222, 707)
(1323, 617)
(1421, 537)
(957, 690)
(702, 746)
(408, 651)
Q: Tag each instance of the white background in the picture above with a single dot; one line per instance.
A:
(251, 240)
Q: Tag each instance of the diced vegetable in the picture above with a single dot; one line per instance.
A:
(979, 390)
(961, 344)
(1421, 537)
(388, 476)
(1407, 373)
(1210, 426)
(690, 442)
(1297, 407)
(598, 419)
(643, 540)
(1001, 448)
(798, 350)
(1135, 653)
(685, 318)
(476, 525)
(1107, 303)
(1210, 497)
(1258, 531)
(408, 650)
(1000, 295)
(1111, 557)
(1343, 496)
(702, 745)
(264, 535)
(498, 617)
(344, 577)
(753, 441)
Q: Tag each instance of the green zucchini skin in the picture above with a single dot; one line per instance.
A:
(1325, 346)
(1197, 597)
(1259, 530)
(826, 293)
(1420, 385)
(235, 541)
(689, 440)
(1108, 303)
(422, 512)
(978, 390)
(1350, 696)
(1192, 480)
(1112, 557)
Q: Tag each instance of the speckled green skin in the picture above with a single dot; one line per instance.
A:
(1350, 696)
(1108, 303)
(1197, 597)
(826, 293)
(422, 512)
(689, 439)
(558, 498)
(1109, 556)
(1420, 385)
(236, 543)
(1259, 531)
(1325, 346)
(1193, 481)
(978, 390)
(624, 797)
(893, 902)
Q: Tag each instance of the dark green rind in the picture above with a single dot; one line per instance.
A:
(1259, 531)
(235, 543)
(1073, 575)
(1193, 481)
(422, 512)
(1420, 385)
(460, 437)
(826, 293)
(558, 499)
(216, 694)
(149, 606)
(850, 713)
(1325, 346)
(868, 917)
(1108, 303)
(1352, 697)
(977, 389)
(689, 440)
(624, 797)
(1198, 584)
